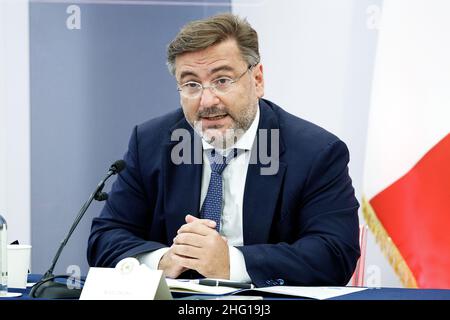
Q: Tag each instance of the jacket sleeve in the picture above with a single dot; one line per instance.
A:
(122, 229)
(326, 249)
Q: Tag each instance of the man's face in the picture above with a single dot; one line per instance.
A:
(215, 115)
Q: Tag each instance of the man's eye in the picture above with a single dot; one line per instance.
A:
(223, 81)
(191, 85)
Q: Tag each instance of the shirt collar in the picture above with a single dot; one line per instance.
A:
(245, 142)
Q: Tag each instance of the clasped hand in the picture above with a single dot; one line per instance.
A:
(197, 246)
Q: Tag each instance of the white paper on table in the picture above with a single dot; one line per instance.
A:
(189, 286)
(319, 293)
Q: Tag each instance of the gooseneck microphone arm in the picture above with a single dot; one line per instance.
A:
(98, 195)
(95, 194)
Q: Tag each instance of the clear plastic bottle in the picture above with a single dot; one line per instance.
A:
(3, 257)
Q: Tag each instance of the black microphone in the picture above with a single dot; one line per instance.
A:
(116, 167)
(48, 287)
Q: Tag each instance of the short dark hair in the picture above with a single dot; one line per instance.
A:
(201, 34)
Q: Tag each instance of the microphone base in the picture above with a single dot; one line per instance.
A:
(54, 290)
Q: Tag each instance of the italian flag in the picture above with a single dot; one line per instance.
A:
(406, 199)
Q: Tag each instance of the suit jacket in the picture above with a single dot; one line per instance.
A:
(300, 225)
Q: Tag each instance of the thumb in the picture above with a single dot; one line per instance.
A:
(209, 223)
(189, 218)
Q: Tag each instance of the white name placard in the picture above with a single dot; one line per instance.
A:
(129, 280)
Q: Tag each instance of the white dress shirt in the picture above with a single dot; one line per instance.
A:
(234, 177)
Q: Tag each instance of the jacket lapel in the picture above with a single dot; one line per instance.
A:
(181, 182)
(262, 191)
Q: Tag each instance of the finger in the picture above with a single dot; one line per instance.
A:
(188, 263)
(197, 227)
(187, 251)
(190, 239)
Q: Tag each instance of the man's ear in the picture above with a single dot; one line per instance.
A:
(258, 75)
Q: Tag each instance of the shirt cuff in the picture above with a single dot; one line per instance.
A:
(238, 270)
(151, 259)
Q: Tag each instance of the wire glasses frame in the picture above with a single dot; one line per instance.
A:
(220, 86)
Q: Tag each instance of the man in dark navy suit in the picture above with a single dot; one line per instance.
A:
(230, 186)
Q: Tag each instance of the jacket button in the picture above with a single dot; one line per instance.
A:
(280, 282)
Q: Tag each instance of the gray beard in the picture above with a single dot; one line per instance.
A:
(232, 135)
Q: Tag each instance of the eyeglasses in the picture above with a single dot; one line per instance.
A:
(220, 86)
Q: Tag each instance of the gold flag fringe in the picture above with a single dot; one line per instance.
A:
(388, 247)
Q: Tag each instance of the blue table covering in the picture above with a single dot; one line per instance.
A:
(369, 294)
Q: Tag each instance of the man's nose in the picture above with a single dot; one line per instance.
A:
(208, 98)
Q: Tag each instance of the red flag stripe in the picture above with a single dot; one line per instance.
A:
(415, 212)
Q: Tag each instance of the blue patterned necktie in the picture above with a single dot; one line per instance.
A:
(212, 205)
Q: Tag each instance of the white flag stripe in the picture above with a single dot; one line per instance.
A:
(410, 110)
